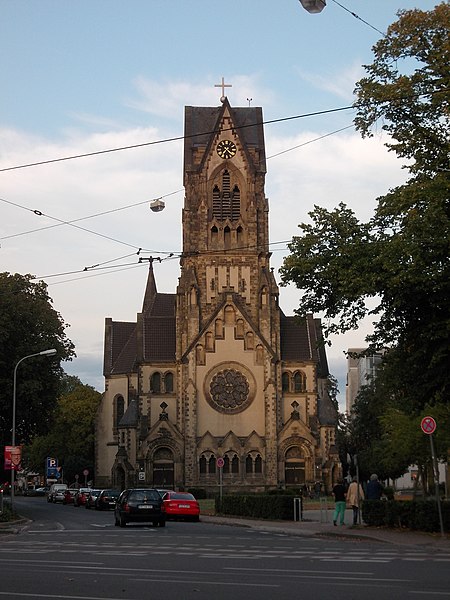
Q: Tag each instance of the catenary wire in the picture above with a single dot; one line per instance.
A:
(173, 139)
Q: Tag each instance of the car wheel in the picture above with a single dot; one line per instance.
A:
(162, 523)
(196, 519)
(122, 521)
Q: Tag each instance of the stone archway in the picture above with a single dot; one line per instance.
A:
(294, 466)
(163, 468)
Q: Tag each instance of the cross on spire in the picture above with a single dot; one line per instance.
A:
(223, 85)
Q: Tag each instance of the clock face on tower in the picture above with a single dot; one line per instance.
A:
(226, 149)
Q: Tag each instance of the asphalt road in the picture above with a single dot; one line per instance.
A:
(69, 553)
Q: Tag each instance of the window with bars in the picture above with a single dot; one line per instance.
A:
(226, 201)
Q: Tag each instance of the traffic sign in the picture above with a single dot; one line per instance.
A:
(220, 462)
(428, 425)
(86, 472)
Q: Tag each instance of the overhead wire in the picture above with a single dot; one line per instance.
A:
(359, 18)
(173, 139)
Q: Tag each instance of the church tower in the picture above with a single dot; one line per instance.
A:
(228, 321)
(216, 377)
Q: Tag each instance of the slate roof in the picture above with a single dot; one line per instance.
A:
(157, 338)
(301, 340)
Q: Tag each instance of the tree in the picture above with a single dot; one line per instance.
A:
(29, 324)
(71, 438)
(399, 258)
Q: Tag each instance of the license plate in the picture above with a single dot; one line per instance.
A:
(184, 506)
(145, 506)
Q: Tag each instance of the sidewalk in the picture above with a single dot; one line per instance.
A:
(312, 527)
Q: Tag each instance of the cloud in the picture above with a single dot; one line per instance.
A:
(342, 167)
(339, 84)
(167, 99)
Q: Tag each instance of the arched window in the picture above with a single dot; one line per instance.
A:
(229, 315)
(285, 382)
(235, 464)
(249, 464)
(209, 341)
(240, 236)
(259, 354)
(227, 238)
(226, 464)
(249, 341)
(168, 382)
(155, 383)
(200, 353)
(214, 236)
(202, 464)
(258, 464)
(120, 409)
(299, 382)
(240, 328)
(219, 328)
(212, 464)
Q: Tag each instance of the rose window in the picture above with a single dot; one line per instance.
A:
(229, 390)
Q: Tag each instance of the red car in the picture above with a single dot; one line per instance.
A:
(69, 495)
(81, 497)
(181, 505)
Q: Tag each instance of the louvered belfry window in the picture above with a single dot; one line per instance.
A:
(226, 201)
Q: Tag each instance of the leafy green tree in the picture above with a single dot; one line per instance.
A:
(71, 437)
(398, 259)
(28, 325)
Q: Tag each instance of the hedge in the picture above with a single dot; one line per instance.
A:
(258, 506)
(419, 515)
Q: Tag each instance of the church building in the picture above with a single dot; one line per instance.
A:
(214, 383)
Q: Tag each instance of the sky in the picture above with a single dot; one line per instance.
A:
(92, 76)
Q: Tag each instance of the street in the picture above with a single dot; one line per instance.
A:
(72, 553)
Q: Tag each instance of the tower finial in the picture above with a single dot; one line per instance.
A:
(223, 85)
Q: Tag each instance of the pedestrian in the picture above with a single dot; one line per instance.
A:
(339, 499)
(374, 488)
(355, 496)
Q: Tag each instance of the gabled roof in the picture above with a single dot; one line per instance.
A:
(201, 123)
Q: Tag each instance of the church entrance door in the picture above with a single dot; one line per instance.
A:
(294, 467)
(163, 468)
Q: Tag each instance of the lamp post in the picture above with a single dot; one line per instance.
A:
(51, 352)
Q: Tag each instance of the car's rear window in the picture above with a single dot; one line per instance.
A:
(180, 496)
(143, 495)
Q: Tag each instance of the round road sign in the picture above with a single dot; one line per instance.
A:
(428, 425)
(220, 462)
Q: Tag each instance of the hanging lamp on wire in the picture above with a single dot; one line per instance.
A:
(313, 6)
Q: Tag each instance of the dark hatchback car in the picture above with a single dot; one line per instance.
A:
(139, 505)
(107, 499)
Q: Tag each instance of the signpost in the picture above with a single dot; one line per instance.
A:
(428, 426)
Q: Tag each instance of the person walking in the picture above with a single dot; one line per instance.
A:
(354, 497)
(374, 488)
(339, 499)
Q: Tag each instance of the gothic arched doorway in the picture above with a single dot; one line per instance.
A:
(294, 466)
(163, 468)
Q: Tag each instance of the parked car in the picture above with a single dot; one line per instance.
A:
(69, 495)
(42, 491)
(107, 499)
(181, 505)
(139, 505)
(80, 497)
(56, 492)
(91, 498)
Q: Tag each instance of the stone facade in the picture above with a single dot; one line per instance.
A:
(216, 373)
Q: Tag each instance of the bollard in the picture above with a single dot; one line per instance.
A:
(298, 509)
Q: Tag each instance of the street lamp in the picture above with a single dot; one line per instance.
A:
(51, 352)
(313, 6)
